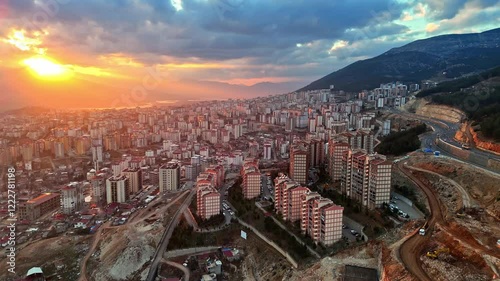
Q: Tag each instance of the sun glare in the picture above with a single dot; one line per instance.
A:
(45, 67)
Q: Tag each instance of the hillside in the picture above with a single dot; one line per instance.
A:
(457, 55)
(477, 95)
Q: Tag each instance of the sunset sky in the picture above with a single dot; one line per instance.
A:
(113, 53)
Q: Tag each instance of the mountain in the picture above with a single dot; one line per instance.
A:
(453, 55)
(227, 90)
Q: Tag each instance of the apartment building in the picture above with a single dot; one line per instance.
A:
(316, 149)
(336, 149)
(268, 151)
(117, 189)
(299, 164)
(361, 139)
(169, 177)
(72, 198)
(207, 200)
(380, 182)
(321, 219)
(330, 227)
(366, 178)
(98, 188)
(135, 177)
(287, 200)
(39, 206)
(251, 185)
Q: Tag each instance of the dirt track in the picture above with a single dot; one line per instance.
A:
(410, 250)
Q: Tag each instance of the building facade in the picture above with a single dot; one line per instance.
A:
(321, 219)
(366, 178)
(39, 206)
(299, 164)
(207, 200)
(336, 150)
(117, 189)
(72, 198)
(135, 177)
(170, 175)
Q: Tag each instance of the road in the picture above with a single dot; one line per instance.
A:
(311, 250)
(95, 241)
(145, 214)
(97, 236)
(162, 247)
(466, 200)
(190, 219)
(444, 130)
(410, 250)
(187, 273)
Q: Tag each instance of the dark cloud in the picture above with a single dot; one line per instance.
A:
(263, 33)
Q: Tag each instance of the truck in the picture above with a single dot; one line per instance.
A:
(435, 254)
(423, 229)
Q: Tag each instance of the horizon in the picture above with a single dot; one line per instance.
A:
(130, 54)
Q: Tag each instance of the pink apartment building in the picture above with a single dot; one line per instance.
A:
(321, 219)
(207, 200)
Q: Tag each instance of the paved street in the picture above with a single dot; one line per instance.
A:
(403, 206)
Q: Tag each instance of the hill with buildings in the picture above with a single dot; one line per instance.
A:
(447, 56)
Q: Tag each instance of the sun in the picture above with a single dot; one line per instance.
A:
(46, 68)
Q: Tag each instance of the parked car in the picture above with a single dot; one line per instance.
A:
(353, 232)
(344, 226)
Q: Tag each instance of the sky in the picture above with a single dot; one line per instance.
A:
(120, 53)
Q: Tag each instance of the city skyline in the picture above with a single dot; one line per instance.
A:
(120, 54)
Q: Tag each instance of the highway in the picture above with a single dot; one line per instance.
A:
(446, 132)
(162, 246)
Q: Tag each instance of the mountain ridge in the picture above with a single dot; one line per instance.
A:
(449, 55)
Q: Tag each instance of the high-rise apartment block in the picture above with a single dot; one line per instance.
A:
(319, 217)
(299, 163)
(207, 199)
(316, 149)
(287, 198)
(336, 149)
(170, 175)
(135, 177)
(72, 198)
(251, 185)
(366, 178)
(117, 189)
(268, 151)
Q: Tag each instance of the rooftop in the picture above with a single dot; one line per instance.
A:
(43, 198)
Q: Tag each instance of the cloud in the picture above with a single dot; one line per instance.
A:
(431, 27)
(234, 40)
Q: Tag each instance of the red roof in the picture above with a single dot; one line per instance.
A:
(228, 253)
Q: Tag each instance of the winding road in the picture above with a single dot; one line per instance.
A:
(466, 200)
(410, 250)
(187, 273)
(162, 246)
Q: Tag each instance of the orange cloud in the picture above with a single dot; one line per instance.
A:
(431, 27)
